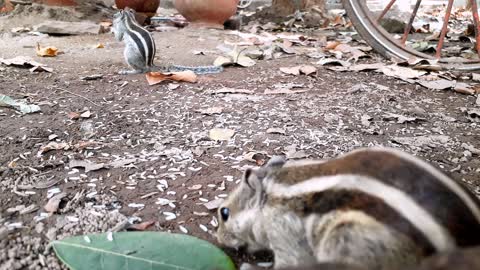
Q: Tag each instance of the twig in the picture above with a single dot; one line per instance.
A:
(15, 190)
(87, 99)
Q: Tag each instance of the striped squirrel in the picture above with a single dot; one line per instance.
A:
(459, 259)
(140, 47)
(376, 208)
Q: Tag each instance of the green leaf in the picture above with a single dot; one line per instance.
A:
(6, 101)
(140, 251)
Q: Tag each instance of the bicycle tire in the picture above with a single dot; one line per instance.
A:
(382, 42)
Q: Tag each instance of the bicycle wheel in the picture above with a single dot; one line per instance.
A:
(366, 22)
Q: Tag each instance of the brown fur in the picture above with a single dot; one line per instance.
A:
(343, 225)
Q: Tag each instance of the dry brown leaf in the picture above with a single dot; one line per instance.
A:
(402, 72)
(100, 46)
(46, 51)
(52, 146)
(307, 69)
(441, 84)
(154, 78)
(54, 203)
(140, 226)
(345, 48)
(73, 115)
(464, 88)
(332, 45)
(291, 70)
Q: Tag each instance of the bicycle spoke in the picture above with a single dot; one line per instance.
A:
(408, 27)
(444, 29)
(476, 23)
(385, 10)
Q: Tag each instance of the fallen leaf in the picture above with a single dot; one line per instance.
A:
(400, 118)
(441, 84)
(46, 51)
(211, 110)
(154, 78)
(212, 205)
(332, 45)
(100, 46)
(218, 134)
(367, 67)
(282, 91)
(223, 61)
(195, 187)
(402, 72)
(92, 77)
(41, 68)
(52, 146)
(292, 153)
(86, 114)
(226, 90)
(297, 70)
(474, 113)
(307, 69)
(88, 166)
(73, 115)
(121, 163)
(276, 131)
(291, 70)
(140, 226)
(54, 203)
(235, 56)
(333, 61)
(20, 61)
(173, 86)
(21, 106)
(464, 88)
(420, 141)
(345, 48)
(366, 120)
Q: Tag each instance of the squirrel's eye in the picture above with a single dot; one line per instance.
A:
(224, 213)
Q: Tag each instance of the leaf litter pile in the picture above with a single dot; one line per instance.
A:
(87, 151)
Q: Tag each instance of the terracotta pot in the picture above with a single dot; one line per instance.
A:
(57, 2)
(142, 6)
(207, 12)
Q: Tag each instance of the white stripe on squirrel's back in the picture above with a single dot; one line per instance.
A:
(439, 237)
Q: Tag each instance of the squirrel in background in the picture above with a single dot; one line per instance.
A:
(140, 47)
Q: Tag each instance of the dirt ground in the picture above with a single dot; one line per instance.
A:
(158, 135)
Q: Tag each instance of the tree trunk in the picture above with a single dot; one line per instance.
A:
(287, 7)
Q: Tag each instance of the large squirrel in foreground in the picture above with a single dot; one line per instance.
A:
(140, 47)
(373, 208)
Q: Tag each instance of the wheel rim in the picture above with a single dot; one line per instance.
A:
(394, 48)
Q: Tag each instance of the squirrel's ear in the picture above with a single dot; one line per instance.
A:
(276, 162)
(252, 180)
